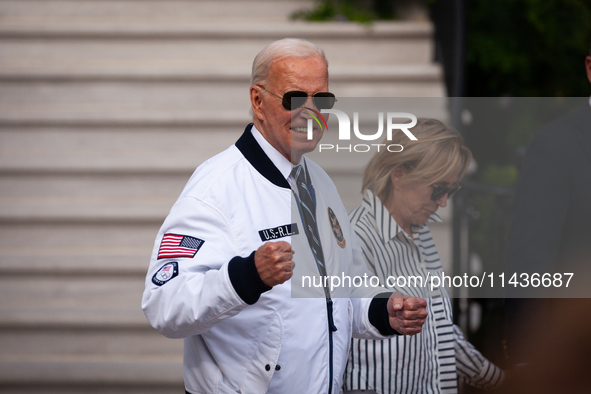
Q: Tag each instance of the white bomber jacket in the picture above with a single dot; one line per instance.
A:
(241, 336)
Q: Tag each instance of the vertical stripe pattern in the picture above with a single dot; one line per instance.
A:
(431, 361)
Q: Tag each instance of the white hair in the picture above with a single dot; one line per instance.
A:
(281, 49)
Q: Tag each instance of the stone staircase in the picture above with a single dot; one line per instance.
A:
(106, 108)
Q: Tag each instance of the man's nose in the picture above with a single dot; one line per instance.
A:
(306, 113)
(310, 104)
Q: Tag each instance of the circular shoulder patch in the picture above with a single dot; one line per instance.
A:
(166, 273)
(336, 228)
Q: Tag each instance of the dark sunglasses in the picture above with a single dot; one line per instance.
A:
(295, 99)
(440, 191)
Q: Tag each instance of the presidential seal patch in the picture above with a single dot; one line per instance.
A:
(166, 273)
(336, 228)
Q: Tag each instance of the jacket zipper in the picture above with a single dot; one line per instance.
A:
(331, 329)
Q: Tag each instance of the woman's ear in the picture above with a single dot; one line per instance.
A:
(396, 176)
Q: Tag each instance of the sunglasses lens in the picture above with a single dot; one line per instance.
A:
(324, 100)
(438, 192)
(293, 100)
(453, 190)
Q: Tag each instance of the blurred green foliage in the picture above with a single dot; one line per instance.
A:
(528, 48)
(523, 48)
(362, 11)
(499, 176)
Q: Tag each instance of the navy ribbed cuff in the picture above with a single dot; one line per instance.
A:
(378, 314)
(246, 279)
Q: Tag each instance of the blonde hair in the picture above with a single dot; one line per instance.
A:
(434, 156)
(282, 49)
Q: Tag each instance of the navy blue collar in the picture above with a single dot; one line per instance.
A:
(255, 155)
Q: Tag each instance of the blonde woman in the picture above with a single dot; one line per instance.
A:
(401, 193)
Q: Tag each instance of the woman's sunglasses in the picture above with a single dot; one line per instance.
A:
(295, 99)
(440, 191)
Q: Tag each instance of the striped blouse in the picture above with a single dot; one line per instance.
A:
(431, 361)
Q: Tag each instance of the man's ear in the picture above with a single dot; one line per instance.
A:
(256, 101)
(588, 67)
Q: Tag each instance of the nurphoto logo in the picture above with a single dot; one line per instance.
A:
(392, 124)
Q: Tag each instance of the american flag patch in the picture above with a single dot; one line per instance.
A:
(176, 245)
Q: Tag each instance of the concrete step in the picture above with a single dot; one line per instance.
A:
(154, 388)
(63, 388)
(74, 302)
(188, 70)
(54, 197)
(94, 189)
(138, 211)
(77, 292)
(93, 198)
(159, 103)
(68, 262)
(82, 316)
(218, 44)
(75, 238)
(18, 11)
(409, 88)
(23, 388)
(122, 102)
(82, 341)
(79, 249)
(131, 150)
(91, 370)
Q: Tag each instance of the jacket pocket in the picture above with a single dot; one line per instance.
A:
(262, 363)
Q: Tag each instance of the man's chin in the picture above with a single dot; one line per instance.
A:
(298, 149)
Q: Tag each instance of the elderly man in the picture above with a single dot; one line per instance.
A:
(222, 262)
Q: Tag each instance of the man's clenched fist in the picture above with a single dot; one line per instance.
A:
(407, 315)
(274, 262)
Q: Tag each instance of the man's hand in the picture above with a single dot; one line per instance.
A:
(274, 262)
(407, 315)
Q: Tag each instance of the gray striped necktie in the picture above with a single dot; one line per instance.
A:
(307, 208)
(307, 205)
